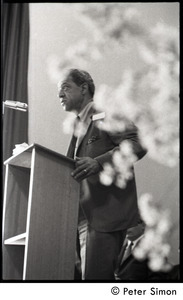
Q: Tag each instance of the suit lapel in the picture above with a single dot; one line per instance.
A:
(71, 149)
(86, 127)
(81, 137)
(122, 253)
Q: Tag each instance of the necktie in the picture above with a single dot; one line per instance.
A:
(71, 150)
(128, 251)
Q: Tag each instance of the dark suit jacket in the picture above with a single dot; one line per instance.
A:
(134, 270)
(107, 208)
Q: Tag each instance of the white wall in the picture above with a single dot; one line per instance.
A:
(53, 27)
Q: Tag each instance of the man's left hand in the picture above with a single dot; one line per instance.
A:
(85, 167)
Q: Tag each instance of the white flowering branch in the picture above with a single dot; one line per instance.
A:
(120, 171)
(154, 245)
(148, 96)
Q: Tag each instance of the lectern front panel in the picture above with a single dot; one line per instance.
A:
(51, 239)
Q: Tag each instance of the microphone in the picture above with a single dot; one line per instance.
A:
(16, 105)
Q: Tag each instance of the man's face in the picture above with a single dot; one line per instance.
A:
(70, 95)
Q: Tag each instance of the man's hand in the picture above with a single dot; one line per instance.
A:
(85, 167)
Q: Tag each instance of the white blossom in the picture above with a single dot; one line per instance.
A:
(154, 245)
(53, 69)
(139, 253)
(79, 55)
(68, 123)
(156, 263)
(69, 126)
(80, 129)
(120, 170)
(107, 176)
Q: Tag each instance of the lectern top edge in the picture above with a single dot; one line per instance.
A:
(36, 146)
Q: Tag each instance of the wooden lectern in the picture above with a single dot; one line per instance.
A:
(40, 214)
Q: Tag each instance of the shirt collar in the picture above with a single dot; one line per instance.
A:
(135, 241)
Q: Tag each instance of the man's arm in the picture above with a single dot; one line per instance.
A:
(131, 134)
(87, 166)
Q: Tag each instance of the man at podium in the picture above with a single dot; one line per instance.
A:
(105, 212)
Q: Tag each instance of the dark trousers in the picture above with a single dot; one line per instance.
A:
(98, 252)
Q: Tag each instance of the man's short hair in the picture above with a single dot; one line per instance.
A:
(80, 76)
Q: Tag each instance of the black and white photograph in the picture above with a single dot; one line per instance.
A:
(90, 147)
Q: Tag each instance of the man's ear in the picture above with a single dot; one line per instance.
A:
(84, 88)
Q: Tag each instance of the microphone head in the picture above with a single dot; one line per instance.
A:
(16, 105)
